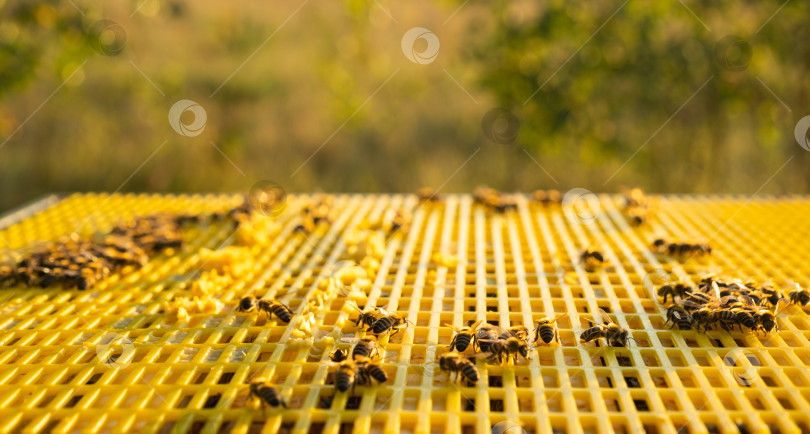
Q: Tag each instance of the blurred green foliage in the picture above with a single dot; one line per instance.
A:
(607, 94)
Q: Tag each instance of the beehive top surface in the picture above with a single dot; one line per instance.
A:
(109, 359)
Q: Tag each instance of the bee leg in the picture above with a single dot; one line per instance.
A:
(453, 342)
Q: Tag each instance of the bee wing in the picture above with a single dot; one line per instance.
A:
(349, 339)
(716, 289)
(723, 301)
(692, 304)
(605, 317)
(479, 356)
(559, 317)
(475, 325)
(455, 329)
(784, 306)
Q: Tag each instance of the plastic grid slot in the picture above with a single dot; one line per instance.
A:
(513, 268)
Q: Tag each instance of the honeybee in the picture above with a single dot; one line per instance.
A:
(612, 332)
(487, 334)
(464, 336)
(365, 347)
(679, 290)
(547, 197)
(338, 355)
(269, 307)
(799, 296)
(504, 203)
(510, 347)
(369, 369)
(400, 221)
(770, 294)
(546, 330)
(708, 309)
(520, 332)
(262, 390)
(677, 315)
(368, 318)
(634, 197)
(391, 322)
(592, 259)
(485, 195)
(766, 320)
(454, 362)
(743, 316)
(6, 274)
(346, 375)
(428, 194)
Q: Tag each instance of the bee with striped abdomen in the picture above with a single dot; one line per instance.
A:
(546, 330)
(679, 290)
(269, 307)
(464, 336)
(678, 316)
(346, 375)
(520, 332)
(262, 390)
(510, 347)
(369, 317)
(365, 347)
(338, 355)
(612, 332)
(799, 296)
(454, 362)
(391, 322)
(370, 369)
(486, 334)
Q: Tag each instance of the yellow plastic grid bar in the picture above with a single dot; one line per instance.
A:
(513, 269)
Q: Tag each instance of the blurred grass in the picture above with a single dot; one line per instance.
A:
(606, 93)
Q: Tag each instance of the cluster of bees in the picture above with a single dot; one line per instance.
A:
(502, 202)
(681, 251)
(636, 205)
(314, 214)
(728, 303)
(364, 364)
(76, 262)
